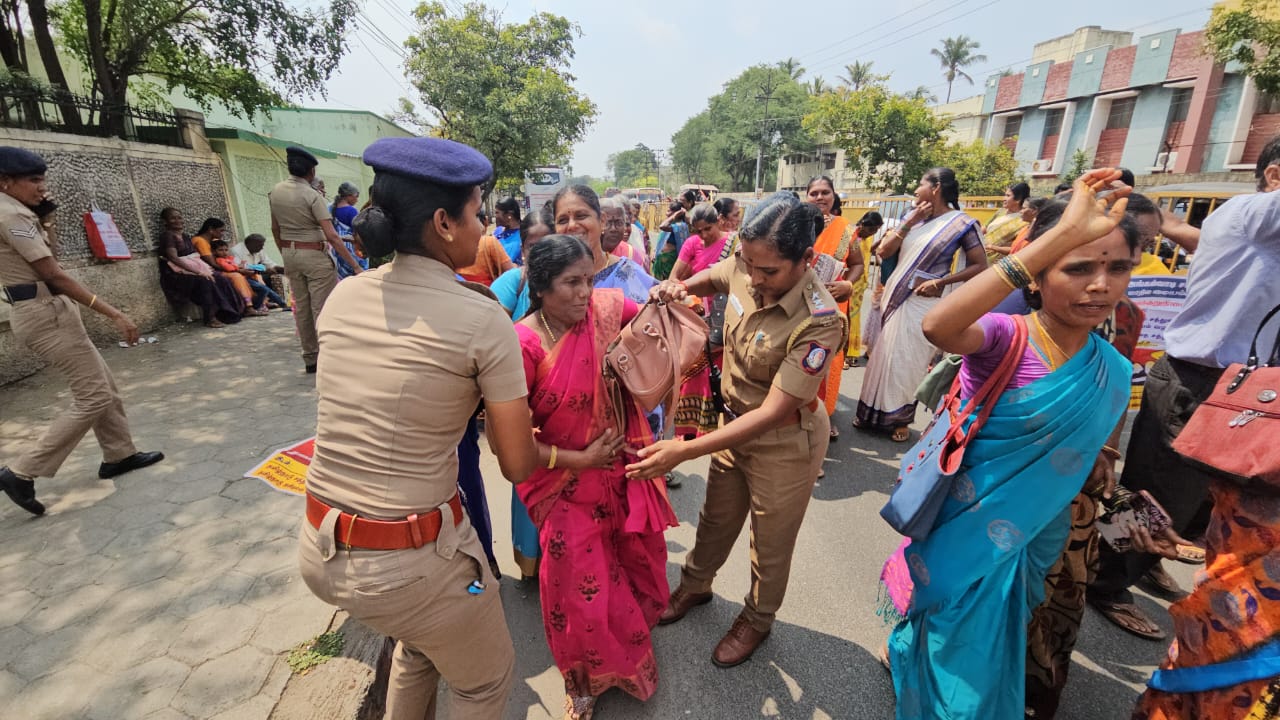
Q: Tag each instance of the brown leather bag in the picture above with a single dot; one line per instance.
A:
(651, 355)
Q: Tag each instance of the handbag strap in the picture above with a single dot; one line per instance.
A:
(992, 389)
(1252, 363)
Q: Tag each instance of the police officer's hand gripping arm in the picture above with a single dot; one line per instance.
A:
(663, 456)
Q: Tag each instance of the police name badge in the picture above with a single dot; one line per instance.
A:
(815, 360)
(736, 303)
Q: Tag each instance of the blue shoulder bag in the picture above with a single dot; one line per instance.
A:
(928, 469)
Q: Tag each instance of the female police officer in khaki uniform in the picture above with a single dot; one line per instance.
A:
(407, 353)
(45, 316)
(781, 327)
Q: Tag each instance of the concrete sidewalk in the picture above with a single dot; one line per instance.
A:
(171, 591)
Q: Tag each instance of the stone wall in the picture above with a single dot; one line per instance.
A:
(133, 182)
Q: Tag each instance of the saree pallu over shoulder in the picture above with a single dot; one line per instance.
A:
(571, 408)
(1003, 497)
(961, 651)
(919, 253)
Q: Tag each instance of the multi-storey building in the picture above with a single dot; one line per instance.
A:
(1158, 105)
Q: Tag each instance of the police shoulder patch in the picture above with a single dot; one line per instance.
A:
(815, 359)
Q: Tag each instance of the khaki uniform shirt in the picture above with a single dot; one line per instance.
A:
(22, 242)
(406, 353)
(299, 210)
(756, 358)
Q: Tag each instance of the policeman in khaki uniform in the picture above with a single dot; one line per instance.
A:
(303, 230)
(781, 328)
(45, 316)
(408, 353)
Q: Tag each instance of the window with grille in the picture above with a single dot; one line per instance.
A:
(1179, 105)
(1121, 113)
(1012, 126)
(1053, 122)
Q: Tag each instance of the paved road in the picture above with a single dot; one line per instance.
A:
(820, 660)
(172, 592)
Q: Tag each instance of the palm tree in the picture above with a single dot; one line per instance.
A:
(858, 75)
(923, 93)
(957, 53)
(792, 68)
(817, 86)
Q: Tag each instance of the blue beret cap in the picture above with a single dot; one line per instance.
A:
(18, 162)
(296, 152)
(431, 159)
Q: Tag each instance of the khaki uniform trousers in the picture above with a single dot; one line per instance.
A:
(772, 479)
(51, 327)
(312, 276)
(419, 597)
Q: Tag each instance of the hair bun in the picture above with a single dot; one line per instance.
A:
(377, 230)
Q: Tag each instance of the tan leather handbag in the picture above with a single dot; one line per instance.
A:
(651, 355)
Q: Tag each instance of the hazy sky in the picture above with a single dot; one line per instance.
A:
(650, 66)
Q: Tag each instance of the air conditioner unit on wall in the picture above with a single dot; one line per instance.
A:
(1045, 165)
(1166, 160)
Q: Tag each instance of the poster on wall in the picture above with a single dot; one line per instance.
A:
(1161, 297)
(105, 239)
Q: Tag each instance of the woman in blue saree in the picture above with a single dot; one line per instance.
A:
(960, 652)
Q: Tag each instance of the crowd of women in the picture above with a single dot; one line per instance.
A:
(985, 607)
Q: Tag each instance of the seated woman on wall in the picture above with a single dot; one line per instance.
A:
(210, 232)
(186, 278)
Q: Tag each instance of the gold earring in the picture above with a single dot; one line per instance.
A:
(448, 238)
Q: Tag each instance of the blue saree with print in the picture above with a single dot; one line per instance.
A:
(961, 651)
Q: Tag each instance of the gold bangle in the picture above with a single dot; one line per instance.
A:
(1021, 265)
(551, 464)
(93, 301)
(1111, 452)
(1004, 275)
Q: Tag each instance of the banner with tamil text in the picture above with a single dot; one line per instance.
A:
(1161, 297)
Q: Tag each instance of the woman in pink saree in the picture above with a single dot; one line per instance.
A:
(603, 577)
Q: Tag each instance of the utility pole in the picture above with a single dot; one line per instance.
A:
(766, 95)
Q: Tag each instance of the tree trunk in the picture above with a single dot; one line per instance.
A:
(110, 120)
(38, 10)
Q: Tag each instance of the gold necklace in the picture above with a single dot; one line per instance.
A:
(547, 326)
(1044, 335)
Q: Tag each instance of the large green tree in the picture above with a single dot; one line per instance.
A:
(1248, 34)
(755, 116)
(503, 88)
(888, 139)
(981, 169)
(955, 55)
(249, 55)
(634, 167)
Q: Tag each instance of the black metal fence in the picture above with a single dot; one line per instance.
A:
(38, 108)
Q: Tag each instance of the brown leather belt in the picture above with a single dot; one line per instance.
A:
(291, 245)
(368, 534)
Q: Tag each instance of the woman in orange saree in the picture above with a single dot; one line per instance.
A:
(603, 577)
(1226, 652)
(839, 241)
